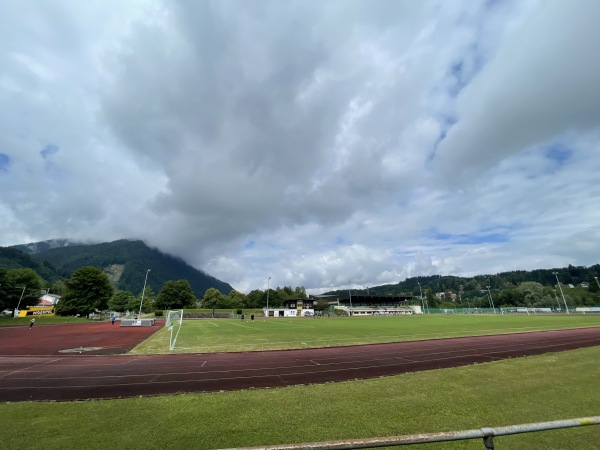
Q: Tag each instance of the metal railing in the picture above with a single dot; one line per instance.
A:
(487, 434)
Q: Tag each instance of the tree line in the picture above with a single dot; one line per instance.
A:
(89, 290)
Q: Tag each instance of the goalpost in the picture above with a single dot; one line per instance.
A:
(173, 323)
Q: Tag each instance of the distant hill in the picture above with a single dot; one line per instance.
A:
(124, 261)
(471, 287)
(12, 258)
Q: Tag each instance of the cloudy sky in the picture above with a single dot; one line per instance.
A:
(319, 143)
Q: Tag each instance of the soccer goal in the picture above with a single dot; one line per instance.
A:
(173, 324)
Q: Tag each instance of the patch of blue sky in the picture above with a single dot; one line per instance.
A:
(4, 162)
(49, 150)
(491, 4)
(462, 71)
(484, 238)
(250, 244)
(558, 153)
(493, 238)
(340, 240)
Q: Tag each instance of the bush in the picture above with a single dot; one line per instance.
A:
(238, 311)
(158, 313)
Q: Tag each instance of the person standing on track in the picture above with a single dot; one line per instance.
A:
(113, 320)
(31, 323)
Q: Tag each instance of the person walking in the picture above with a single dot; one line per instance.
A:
(31, 323)
(112, 321)
(242, 317)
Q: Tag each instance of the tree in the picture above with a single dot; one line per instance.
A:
(241, 300)
(432, 301)
(58, 287)
(176, 295)
(121, 300)
(149, 300)
(508, 297)
(530, 292)
(593, 283)
(3, 289)
(255, 298)
(211, 298)
(88, 290)
(21, 285)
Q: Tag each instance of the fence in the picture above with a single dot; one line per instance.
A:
(487, 434)
(511, 311)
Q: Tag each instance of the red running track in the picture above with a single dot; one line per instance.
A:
(72, 377)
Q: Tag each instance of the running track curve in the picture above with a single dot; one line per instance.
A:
(64, 377)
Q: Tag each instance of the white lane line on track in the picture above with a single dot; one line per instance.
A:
(220, 378)
(29, 367)
(395, 359)
(335, 359)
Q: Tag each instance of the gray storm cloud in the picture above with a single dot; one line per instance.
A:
(314, 142)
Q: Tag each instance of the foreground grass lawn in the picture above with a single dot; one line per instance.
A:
(541, 388)
(227, 335)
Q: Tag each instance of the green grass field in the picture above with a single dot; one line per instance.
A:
(227, 335)
(547, 387)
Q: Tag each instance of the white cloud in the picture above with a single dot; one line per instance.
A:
(316, 143)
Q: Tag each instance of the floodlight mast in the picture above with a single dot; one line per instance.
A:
(16, 311)
(350, 297)
(491, 300)
(268, 289)
(143, 292)
(561, 291)
(597, 282)
(556, 297)
(421, 291)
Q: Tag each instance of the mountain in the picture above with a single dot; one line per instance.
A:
(124, 261)
(12, 258)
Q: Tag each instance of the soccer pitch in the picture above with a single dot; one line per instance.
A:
(232, 335)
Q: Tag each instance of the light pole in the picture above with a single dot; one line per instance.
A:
(421, 292)
(491, 301)
(350, 297)
(143, 292)
(16, 312)
(556, 297)
(268, 288)
(561, 291)
(597, 282)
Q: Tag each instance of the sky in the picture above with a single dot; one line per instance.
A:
(324, 144)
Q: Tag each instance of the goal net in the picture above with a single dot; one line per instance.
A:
(173, 324)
